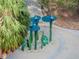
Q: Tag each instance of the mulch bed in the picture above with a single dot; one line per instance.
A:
(69, 23)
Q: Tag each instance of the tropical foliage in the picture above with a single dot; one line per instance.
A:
(14, 22)
(69, 4)
(72, 5)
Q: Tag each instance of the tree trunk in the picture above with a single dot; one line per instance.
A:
(2, 56)
(0, 53)
(42, 10)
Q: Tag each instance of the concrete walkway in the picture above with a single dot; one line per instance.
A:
(65, 44)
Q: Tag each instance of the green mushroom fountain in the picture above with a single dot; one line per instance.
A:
(33, 31)
(49, 19)
(35, 28)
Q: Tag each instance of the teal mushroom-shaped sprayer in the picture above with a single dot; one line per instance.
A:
(35, 28)
(30, 38)
(35, 19)
(49, 19)
(24, 42)
(44, 40)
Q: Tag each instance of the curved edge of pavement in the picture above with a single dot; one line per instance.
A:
(66, 29)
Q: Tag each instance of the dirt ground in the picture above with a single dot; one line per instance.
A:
(68, 21)
(70, 24)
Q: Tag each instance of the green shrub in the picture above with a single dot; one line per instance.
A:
(14, 22)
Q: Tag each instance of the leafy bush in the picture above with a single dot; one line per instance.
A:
(14, 22)
(70, 4)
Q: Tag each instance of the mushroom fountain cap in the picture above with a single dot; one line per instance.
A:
(49, 18)
(35, 19)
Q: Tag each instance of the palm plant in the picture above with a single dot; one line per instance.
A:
(14, 22)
